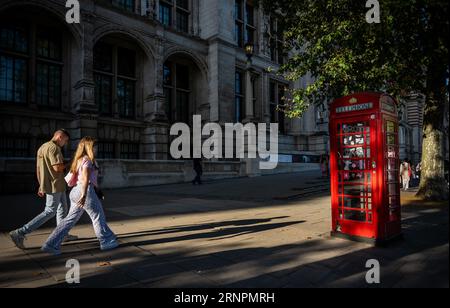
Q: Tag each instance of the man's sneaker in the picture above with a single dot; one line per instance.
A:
(70, 238)
(17, 239)
(50, 251)
(109, 246)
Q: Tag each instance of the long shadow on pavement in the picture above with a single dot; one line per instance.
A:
(420, 260)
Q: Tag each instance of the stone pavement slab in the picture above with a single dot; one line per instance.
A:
(232, 233)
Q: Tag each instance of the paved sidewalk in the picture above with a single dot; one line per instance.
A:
(259, 232)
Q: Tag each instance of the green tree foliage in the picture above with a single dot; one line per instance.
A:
(406, 52)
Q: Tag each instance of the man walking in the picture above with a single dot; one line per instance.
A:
(50, 174)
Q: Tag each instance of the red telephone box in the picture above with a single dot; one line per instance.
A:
(364, 162)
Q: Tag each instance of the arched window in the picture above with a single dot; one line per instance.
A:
(177, 90)
(115, 77)
(31, 64)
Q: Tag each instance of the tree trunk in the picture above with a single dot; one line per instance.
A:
(433, 185)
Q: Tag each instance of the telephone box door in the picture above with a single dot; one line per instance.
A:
(354, 183)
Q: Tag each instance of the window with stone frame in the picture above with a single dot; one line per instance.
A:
(14, 46)
(276, 43)
(28, 47)
(129, 150)
(15, 146)
(115, 79)
(106, 149)
(277, 100)
(177, 90)
(175, 14)
(127, 5)
(245, 22)
(49, 67)
(239, 101)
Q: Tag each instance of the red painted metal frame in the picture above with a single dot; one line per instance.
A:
(386, 217)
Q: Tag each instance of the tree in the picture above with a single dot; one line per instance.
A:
(406, 52)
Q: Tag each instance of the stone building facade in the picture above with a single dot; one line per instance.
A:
(132, 68)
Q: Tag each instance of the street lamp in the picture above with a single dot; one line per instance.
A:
(249, 91)
(249, 51)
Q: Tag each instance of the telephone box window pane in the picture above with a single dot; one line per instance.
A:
(353, 177)
(355, 203)
(354, 140)
(352, 165)
(353, 128)
(356, 190)
(392, 153)
(390, 127)
(393, 188)
(391, 140)
(354, 152)
(392, 176)
(394, 201)
(392, 165)
(369, 178)
(355, 216)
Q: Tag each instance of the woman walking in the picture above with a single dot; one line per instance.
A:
(405, 174)
(83, 197)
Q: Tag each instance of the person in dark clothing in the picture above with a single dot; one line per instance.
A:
(198, 170)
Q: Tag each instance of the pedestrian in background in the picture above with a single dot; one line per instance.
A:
(418, 170)
(198, 171)
(405, 174)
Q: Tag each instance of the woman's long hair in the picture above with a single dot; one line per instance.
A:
(85, 148)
